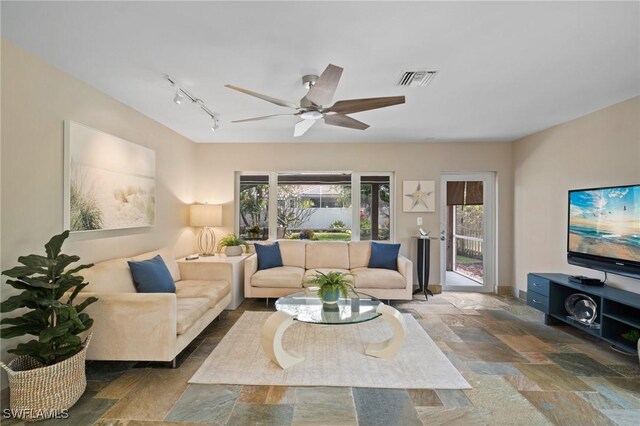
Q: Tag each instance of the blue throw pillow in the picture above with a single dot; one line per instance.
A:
(268, 256)
(152, 276)
(384, 256)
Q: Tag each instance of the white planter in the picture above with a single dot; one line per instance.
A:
(233, 251)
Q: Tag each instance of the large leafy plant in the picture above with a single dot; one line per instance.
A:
(44, 280)
(330, 282)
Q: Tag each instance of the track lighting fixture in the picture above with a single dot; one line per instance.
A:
(215, 124)
(178, 98)
(182, 94)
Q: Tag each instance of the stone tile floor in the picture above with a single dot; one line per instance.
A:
(522, 373)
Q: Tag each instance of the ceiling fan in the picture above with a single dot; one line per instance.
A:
(312, 105)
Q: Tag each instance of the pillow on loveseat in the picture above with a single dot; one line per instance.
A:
(384, 256)
(269, 256)
(152, 276)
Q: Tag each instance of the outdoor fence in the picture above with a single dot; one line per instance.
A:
(324, 217)
(469, 244)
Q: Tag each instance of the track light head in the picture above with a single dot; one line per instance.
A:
(182, 95)
(215, 124)
(178, 98)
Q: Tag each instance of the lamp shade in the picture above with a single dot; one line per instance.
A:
(202, 215)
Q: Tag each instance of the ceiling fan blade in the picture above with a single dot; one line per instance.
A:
(344, 121)
(263, 97)
(357, 105)
(322, 92)
(302, 126)
(264, 117)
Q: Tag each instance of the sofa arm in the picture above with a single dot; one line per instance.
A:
(132, 326)
(205, 271)
(405, 267)
(250, 268)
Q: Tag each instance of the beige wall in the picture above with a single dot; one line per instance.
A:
(216, 164)
(599, 149)
(36, 98)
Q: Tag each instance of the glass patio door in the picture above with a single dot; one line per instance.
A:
(467, 232)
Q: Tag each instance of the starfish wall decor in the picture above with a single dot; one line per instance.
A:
(419, 196)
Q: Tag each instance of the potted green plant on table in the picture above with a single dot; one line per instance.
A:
(48, 375)
(331, 285)
(232, 244)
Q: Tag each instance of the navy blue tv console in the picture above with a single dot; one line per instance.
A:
(618, 310)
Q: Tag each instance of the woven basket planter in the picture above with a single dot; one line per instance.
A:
(38, 392)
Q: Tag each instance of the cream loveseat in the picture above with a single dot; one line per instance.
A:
(150, 326)
(301, 259)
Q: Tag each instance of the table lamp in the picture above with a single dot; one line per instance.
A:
(205, 216)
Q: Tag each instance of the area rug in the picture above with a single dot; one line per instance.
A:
(334, 356)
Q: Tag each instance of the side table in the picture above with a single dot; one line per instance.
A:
(229, 268)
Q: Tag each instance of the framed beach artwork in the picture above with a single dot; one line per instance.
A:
(109, 183)
(418, 196)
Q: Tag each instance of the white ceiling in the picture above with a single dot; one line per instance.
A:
(507, 69)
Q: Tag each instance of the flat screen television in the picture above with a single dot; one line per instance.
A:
(604, 229)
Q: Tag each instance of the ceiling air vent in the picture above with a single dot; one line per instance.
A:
(417, 78)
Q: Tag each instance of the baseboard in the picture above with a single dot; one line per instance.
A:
(506, 290)
(435, 288)
(522, 295)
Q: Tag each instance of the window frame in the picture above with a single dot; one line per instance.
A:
(355, 199)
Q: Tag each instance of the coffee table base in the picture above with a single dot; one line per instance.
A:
(277, 324)
(272, 332)
(390, 347)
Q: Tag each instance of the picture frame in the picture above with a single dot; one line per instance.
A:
(109, 182)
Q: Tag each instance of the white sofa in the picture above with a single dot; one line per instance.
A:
(150, 326)
(302, 258)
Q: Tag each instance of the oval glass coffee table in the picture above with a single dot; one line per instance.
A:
(305, 306)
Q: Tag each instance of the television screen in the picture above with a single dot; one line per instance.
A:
(605, 223)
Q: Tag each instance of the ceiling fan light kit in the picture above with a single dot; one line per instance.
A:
(182, 94)
(320, 93)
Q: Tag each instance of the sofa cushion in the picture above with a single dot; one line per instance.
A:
(284, 276)
(212, 290)
(111, 276)
(293, 252)
(152, 276)
(327, 254)
(310, 273)
(268, 256)
(359, 254)
(189, 310)
(378, 278)
(167, 256)
(384, 256)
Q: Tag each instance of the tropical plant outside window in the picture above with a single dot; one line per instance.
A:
(375, 208)
(310, 203)
(253, 198)
(316, 206)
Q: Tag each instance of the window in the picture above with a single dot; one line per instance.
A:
(375, 208)
(321, 206)
(253, 212)
(320, 202)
